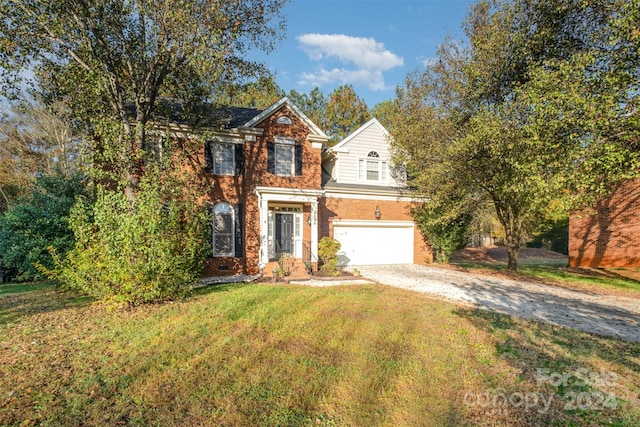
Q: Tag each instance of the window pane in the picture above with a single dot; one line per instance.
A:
(223, 159)
(222, 245)
(373, 168)
(222, 229)
(284, 160)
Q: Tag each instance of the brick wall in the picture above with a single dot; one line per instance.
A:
(332, 209)
(608, 235)
(241, 189)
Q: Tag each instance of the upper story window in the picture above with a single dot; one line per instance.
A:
(284, 157)
(224, 158)
(372, 168)
(223, 229)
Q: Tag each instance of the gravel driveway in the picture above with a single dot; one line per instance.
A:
(602, 314)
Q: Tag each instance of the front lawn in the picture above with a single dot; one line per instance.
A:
(262, 354)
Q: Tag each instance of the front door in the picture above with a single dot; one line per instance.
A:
(284, 233)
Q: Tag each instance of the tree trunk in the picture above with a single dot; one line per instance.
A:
(508, 217)
(512, 253)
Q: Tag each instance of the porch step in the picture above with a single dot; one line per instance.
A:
(293, 269)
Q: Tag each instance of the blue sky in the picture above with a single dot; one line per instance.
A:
(370, 44)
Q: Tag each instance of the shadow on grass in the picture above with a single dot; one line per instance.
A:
(565, 362)
(600, 273)
(554, 271)
(18, 300)
(583, 310)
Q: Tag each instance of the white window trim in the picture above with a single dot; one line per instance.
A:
(383, 169)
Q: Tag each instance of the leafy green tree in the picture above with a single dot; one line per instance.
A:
(123, 54)
(312, 104)
(122, 65)
(384, 113)
(514, 116)
(259, 94)
(37, 221)
(344, 113)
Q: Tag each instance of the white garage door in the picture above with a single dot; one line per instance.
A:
(374, 242)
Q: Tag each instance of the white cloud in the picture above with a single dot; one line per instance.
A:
(369, 57)
(372, 78)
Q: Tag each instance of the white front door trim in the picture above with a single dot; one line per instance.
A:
(286, 195)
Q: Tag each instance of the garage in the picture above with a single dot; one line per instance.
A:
(374, 242)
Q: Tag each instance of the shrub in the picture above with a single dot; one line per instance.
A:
(328, 252)
(36, 221)
(133, 252)
(446, 229)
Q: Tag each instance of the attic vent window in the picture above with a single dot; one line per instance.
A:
(284, 120)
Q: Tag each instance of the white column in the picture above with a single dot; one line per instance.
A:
(263, 206)
(314, 230)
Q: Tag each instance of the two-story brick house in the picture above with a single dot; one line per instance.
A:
(264, 171)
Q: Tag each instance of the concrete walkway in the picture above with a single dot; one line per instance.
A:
(602, 314)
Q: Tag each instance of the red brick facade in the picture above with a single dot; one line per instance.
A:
(609, 234)
(335, 209)
(241, 189)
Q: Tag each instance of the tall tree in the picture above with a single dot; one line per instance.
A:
(129, 53)
(488, 120)
(35, 140)
(313, 104)
(345, 112)
(260, 93)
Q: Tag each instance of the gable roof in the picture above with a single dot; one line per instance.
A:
(339, 147)
(281, 103)
(237, 116)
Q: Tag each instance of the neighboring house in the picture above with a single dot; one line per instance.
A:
(268, 199)
(608, 235)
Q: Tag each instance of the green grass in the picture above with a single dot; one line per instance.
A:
(268, 355)
(555, 271)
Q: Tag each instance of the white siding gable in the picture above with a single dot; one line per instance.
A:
(352, 157)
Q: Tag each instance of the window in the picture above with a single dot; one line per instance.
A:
(223, 233)
(284, 160)
(223, 159)
(372, 168)
(284, 157)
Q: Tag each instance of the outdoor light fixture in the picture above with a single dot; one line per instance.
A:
(377, 212)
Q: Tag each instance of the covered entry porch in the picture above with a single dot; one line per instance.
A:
(288, 229)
